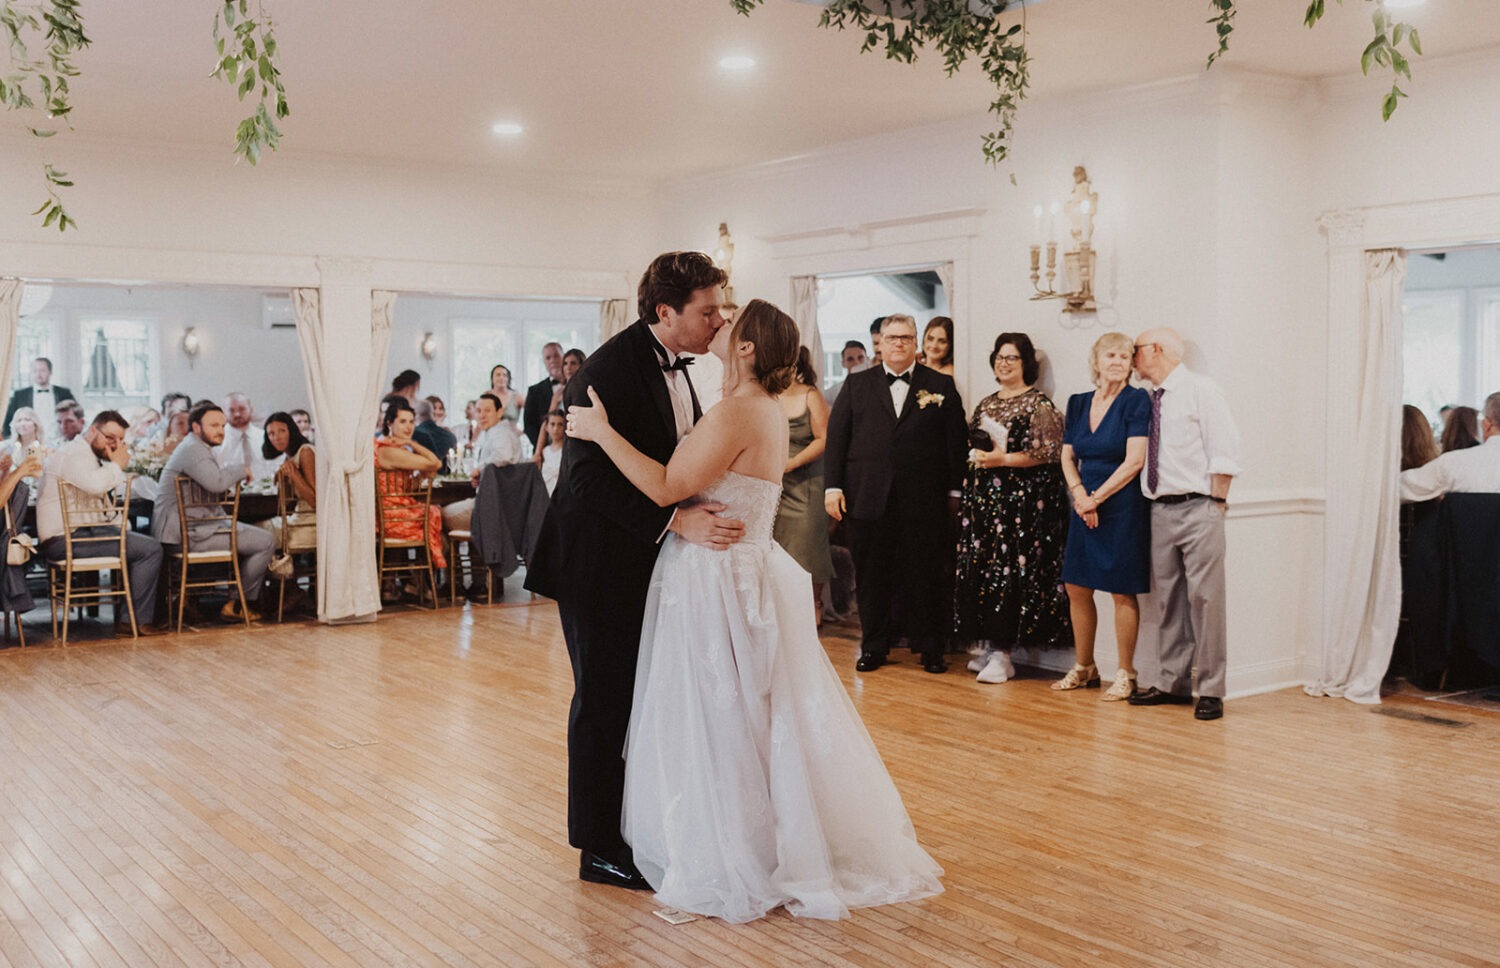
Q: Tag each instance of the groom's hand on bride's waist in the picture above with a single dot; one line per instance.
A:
(701, 525)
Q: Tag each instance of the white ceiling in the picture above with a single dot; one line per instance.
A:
(631, 88)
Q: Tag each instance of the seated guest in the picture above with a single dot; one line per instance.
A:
(395, 450)
(299, 469)
(172, 402)
(498, 443)
(26, 424)
(176, 431)
(408, 384)
(244, 443)
(556, 429)
(439, 409)
(431, 434)
(95, 463)
(304, 424)
(1460, 429)
(43, 395)
(144, 425)
(1471, 470)
(69, 420)
(194, 459)
(1417, 444)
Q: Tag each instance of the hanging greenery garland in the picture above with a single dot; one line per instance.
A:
(38, 83)
(960, 29)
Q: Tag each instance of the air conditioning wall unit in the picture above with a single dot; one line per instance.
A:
(276, 311)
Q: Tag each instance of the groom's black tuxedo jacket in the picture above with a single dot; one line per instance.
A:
(918, 455)
(600, 539)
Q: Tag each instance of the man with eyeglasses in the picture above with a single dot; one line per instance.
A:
(94, 462)
(1192, 455)
(894, 465)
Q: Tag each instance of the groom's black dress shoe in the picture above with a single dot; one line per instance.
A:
(592, 867)
(869, 662)
(1155, 697)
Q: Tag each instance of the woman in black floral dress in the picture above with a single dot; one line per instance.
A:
(1009, 589)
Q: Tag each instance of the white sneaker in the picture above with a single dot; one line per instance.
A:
(979, 660)
(997, 669)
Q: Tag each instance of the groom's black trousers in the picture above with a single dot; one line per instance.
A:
(603, 646)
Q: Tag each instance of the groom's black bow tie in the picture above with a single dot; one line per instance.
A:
(683, 362)
(893, 377)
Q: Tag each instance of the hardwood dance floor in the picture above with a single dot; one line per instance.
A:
(393, 794)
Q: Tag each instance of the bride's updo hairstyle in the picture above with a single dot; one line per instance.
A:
(776, 343)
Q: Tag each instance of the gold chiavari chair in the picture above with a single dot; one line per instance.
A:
(109, 522)
(197, 506)
(404, 528)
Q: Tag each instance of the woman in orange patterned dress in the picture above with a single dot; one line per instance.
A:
(396, 451)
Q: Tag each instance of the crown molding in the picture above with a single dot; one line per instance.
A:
(932, 227)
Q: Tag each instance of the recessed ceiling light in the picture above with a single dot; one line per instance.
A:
(507, 128)
(736, 62)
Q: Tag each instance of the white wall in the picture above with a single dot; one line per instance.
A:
(1206, 222)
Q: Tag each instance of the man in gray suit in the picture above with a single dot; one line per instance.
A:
(194, 459)
(94, 462)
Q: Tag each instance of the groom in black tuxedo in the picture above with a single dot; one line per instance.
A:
(897, 446)
(601, 536)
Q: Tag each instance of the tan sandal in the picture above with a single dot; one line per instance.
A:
(1123, 688)
(1079, 677)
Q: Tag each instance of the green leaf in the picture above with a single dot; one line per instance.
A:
(52, 215)
(1397, 34)
(1416, 43)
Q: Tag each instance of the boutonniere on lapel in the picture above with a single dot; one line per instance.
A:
(926, 398)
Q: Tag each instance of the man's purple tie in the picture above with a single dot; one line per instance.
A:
(1153, 441)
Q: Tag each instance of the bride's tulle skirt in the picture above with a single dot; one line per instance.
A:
(751, 782)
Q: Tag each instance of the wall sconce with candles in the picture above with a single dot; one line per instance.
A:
(190, 344)
(1078, 256)
(429, 346)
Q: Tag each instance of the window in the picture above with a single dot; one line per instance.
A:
(116, 362)
(1433, 348)
(33, 339)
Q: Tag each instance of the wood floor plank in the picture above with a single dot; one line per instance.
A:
(395, 794)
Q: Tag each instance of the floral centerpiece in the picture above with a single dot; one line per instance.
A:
(147, 458)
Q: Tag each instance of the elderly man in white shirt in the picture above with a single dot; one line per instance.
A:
(1472, 470)
(244, 443)
(1192, 455)
(94, 462)
(498, 444)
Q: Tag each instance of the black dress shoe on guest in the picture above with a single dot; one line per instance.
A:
(593, 868)
(1155, 697)
(869, 662)
(934, 665)
(1209, 707)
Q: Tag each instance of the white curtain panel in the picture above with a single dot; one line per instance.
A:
(805, 312)
(1362, 627)
(10, 319)
(945, 276)
(612, 318)
(348, 584)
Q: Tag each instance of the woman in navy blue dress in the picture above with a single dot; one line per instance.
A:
(1109, 534)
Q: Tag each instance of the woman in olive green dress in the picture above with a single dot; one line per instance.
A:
(801, 522)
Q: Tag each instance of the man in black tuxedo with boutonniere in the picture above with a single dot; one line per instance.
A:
(601, 536)
(897, 446)
(539, 394)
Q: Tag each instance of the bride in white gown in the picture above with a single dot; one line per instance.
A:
(750, 781)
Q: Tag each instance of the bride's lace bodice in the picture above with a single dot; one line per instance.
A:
(750, 500)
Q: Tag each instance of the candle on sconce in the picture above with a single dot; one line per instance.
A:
(1055, 208)
(1036, 225)
(1036, 258)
